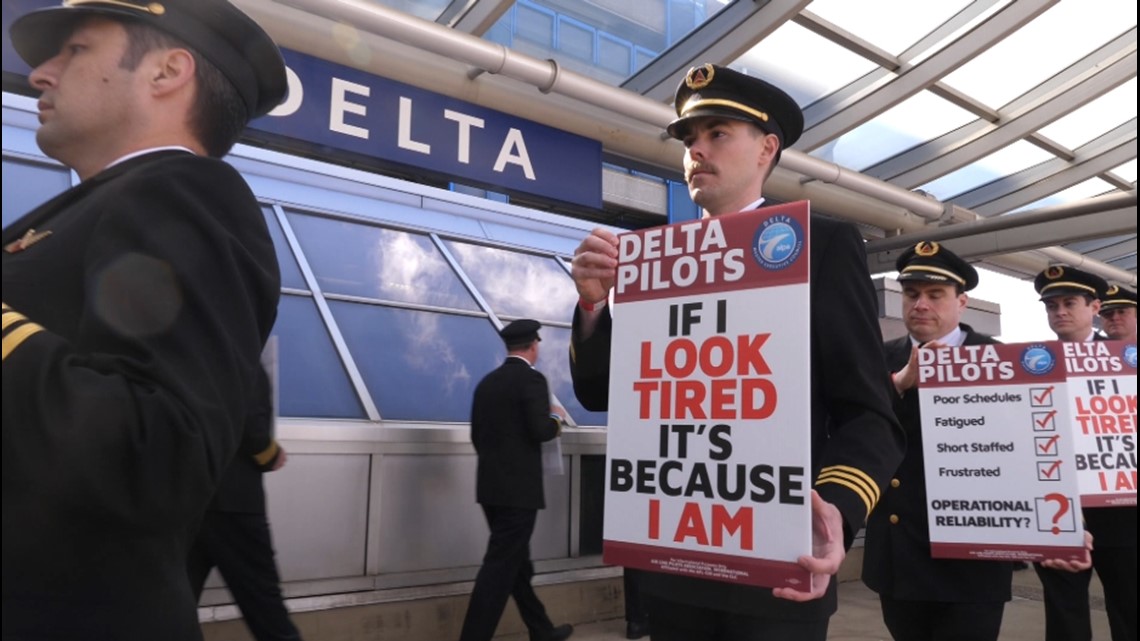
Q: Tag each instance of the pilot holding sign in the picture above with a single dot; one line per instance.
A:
(1071, 298)
(734, 128)
(923, 597)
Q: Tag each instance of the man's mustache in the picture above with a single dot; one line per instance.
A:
(699, 167)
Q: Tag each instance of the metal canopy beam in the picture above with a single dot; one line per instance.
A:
(925, 73)
(959, 148)
(992, 237)
(721, 39)
(1123, 246)
(1030, 185)
(628, 124)
(888, 68)
(475, 17)
(1073, 74)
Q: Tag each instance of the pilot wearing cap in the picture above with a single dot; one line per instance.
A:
(1072, 302)
(1118, 313)
(734, 128)
(136, 306)
(1071, 298)
(923, 597)
(511, 416)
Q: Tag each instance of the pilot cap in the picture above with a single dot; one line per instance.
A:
(931, 262)
(712, 90)
(521, 332)
(216, 29)
(1062, 280)
(1116, 297)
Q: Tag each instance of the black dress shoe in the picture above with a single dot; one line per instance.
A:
(559, 633)
(635, 630)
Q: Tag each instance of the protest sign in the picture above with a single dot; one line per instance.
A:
(1102, 401)
(708, 454)
(998, 452)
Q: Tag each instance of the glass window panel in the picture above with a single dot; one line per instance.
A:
(1080, 191)
(1054, 40)
(374, 262)
(819, 67)
(36, 185)
(615, 55)
(555, 365)
(535, 24)
(419, 366)
(914, 121)
(517, 284)
(1127, 171)
(426, 9)
(290, 272)
(642, 57)
(1094, 118)
(312, 379)
(1009, 160)
(576, 39)
(681, 206)
(647, 27)
(868, 19)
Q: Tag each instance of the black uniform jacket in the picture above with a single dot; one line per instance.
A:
(896, 557)
(241, 490)
(510, 419)
(1111, 527)
(856, 440)
(134, 317)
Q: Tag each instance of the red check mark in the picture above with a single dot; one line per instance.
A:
(1045, 473)
(1047, 446)
(1044, 420)
(1044, 396)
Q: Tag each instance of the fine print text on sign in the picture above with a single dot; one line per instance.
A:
(708, 452)
(998, 452)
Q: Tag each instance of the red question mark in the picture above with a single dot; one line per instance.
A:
(1063, 502)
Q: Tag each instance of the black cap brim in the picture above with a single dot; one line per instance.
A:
(679, 128)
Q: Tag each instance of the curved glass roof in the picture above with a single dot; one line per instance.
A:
(991, 107)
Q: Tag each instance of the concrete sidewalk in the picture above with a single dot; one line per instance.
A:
(859, 618)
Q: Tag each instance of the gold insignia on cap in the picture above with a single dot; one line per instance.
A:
(1112, 291)
(154, 8)
(927, 248)
(700, 77)
(1054, 272)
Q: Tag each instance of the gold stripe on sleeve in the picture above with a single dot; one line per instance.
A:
(17, 336)
(12, 317)
(265, 456)
(855, 480)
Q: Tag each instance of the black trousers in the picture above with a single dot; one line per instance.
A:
(675, 621)
(239, 546)
(1067, 616)
(635, 610)
(940, 621)
(506, 571)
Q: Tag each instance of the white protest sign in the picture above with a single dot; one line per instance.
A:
(708, 457)
(1102, 402)
(1000, 478)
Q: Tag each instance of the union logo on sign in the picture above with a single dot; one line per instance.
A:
(778, 242)
(1038, 360)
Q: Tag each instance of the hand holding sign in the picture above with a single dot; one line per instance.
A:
(594, 265)
(1073, 566)
(907, 377)
(827, 551)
